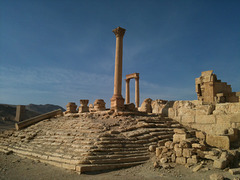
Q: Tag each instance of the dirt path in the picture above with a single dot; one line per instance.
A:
(13, 167)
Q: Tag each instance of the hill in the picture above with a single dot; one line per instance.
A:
(41, 109)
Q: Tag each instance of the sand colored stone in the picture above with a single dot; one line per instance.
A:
(84, 106)
(20, 113)
(71, 108)
(117, 101)
(99, 105)
(128, 78)
(211, 90)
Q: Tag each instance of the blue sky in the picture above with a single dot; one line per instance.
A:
(55, 51)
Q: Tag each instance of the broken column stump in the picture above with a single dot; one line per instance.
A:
(20, 113)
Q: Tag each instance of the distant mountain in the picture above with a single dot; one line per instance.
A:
(8, 112)
(41, 109)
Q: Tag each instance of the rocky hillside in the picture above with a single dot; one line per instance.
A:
(41, 109)
(8, 112)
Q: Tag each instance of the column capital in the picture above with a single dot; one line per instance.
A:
(119, 32)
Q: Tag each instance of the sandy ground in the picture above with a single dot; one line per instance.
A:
(13, 167)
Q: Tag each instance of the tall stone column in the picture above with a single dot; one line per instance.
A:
(137, 92)
(127, 91)
(117, 101)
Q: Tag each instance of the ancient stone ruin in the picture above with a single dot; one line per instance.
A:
(94, 138)
(128, 78)
(211, 90)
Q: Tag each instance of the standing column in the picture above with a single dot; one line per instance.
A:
(20, 113)
(117, 101)
(137, 92)
(127, 91)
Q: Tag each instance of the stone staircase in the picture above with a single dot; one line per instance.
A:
(84, 145)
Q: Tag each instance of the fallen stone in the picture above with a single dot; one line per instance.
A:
(199, 146)
(216, 176)
(220, 163)
(163, 160)
(166, 166)
(179, 137)
(168, 144)
(179, 152)
(181, 160)
(152, 148)
(158, 151)
(179, 131)
(224, 155)
(184, 144)
(221, 142)
(187, 152)
(173, 157)
(198, 167)
(192, 160)
(156, 165)
(234, 171)
(211, 157)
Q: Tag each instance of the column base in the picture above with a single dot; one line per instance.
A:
(117, 103)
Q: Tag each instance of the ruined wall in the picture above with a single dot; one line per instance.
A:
(213, 119)
(211, 90)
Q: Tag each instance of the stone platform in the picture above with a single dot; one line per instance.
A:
(91, 141)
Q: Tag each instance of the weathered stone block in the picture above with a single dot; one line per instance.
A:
(188, 119)
(158, 151)
(206, 119)
(220, 163)
(179, 152)
(200, 135)
(216, 176)
(179, 137)
(152, 148)
(222, 142)
(187, 152)
(168, 144)
(173, 157)
(234, 171)
(192, 160)
(184, 144)
(181, 160)
(179, 131)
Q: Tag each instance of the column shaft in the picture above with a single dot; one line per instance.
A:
(117, 101)
(137, 92)
(127, 91)
(118, 67)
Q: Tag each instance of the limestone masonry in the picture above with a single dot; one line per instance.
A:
(93, 138)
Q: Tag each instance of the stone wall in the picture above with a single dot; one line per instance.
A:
(212, 119)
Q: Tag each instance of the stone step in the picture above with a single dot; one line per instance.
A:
(161, 133)
(119, 160)
(90, 168)
(118, 149)
(99, 153)
(167, 136)
(121, 142)
(116, 156)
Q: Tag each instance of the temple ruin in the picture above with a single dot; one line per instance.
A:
(211, 90)
(94, 138)
(128, 78)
